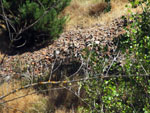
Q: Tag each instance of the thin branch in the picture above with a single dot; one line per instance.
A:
(78, 69)
(41, 4)
(22, 44)
(52, 67)
(80, 98)
(144, 69)
(6, 20)
(3, 58)
(9, 21)
(112, 63)
(98, 76)
(57, 66)
(34, 93)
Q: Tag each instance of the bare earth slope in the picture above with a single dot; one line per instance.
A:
(66, 48)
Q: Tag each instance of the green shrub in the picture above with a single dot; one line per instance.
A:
(137, 42)
(44, 15)
(115, 95)
(108, 6)
(127, 93)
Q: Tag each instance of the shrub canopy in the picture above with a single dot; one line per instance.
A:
(33, 21)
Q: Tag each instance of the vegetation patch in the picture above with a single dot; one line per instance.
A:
(32, 22)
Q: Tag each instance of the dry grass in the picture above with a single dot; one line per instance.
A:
(36, 103)
(23, 104)
(97, 9)
(78, 12)
(63, 110)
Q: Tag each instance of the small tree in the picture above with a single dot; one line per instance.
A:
(31, 22)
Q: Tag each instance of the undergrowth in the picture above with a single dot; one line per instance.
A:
(123, 85)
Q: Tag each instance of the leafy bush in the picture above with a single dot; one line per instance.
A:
(33, 21)
(137, 38)
(124, 93)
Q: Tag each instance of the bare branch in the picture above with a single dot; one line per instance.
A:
(6, 20)
(115, 58)
(22, 45)
(98, 76)
(78, 69)
(34, 93)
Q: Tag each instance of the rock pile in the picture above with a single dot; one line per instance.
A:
(68, 46)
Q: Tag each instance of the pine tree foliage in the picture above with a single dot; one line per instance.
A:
(33, 21)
